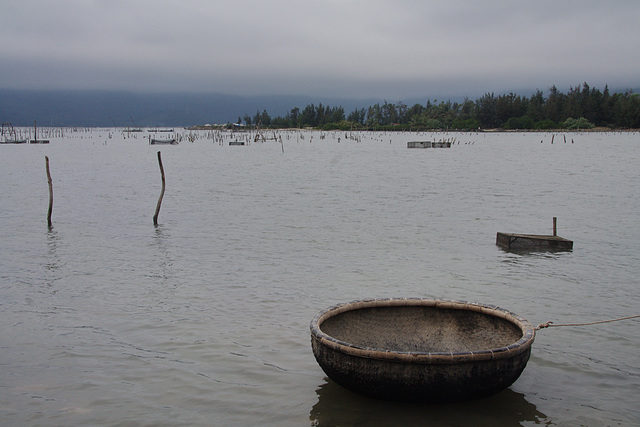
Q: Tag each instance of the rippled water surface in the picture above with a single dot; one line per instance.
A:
(204, 319)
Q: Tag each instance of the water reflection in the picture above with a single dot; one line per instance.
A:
(535, 251)
(519, 258)
(162, 255)
(338, 406)
(53, 264)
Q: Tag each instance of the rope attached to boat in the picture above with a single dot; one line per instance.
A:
(550, 324)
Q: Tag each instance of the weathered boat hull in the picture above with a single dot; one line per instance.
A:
(424, 351)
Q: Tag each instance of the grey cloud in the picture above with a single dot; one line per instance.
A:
(393, 49)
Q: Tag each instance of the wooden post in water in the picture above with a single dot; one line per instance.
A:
(155, 217)
(555, 223)
(50, 192)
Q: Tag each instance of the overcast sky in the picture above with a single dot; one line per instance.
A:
(395, 49)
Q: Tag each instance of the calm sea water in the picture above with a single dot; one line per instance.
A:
(204, 319)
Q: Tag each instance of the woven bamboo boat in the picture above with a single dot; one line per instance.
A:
(421, 350)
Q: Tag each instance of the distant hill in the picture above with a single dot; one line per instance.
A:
(122, 109)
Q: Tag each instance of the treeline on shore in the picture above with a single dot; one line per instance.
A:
(582, 107)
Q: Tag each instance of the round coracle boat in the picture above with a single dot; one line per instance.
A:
(424, 350)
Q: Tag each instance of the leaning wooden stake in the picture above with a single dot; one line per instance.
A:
(155, 217)
(50, 192)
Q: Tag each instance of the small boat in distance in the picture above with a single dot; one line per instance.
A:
(172, 141)
(429, 144)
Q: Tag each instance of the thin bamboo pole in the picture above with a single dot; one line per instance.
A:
(155, 217)
(50, 192)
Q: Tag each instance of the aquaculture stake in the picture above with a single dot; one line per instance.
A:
(50, 192)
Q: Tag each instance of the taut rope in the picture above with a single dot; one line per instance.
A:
(550, 324)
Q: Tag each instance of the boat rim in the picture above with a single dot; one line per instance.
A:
(520, 346)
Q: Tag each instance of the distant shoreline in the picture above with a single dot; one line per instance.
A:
(493, 130)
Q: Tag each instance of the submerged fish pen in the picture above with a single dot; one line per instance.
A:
(524, 242)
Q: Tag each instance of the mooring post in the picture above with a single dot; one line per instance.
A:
(555, 223)
(46, 159)
(155, 217)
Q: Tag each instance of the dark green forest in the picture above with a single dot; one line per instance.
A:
(582, 107)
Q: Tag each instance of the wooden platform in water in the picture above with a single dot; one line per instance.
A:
(512, 241)
(171, 141)
(428, 144)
